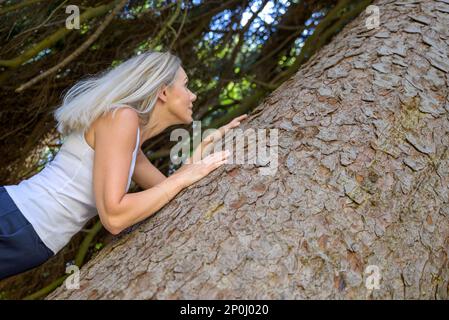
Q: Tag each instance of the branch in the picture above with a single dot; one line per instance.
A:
(82, 251)
(18, 6)
(180, 28)
(42, 24)
(78, 51)
(84, 247)
(156, 40)
(52, 39)
(46, 290)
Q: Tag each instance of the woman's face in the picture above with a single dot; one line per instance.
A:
(180, 98)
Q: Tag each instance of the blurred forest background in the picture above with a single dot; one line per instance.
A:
(235, 52)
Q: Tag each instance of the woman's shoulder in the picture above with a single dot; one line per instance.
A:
(124, 118)
(117, 117)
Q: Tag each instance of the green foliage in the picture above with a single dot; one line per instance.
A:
(84, 28)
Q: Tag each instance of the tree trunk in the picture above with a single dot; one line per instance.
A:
(361, 188)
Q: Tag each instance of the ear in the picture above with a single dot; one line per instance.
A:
(163, 93)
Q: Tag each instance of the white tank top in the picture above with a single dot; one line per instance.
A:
(59, 200)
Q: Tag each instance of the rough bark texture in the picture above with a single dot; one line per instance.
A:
(362, 180)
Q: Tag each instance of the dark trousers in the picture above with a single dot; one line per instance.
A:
(21, 249)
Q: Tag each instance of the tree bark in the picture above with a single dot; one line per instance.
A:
(362, 181)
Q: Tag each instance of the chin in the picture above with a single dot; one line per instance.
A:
(189, 119)
(185, 119)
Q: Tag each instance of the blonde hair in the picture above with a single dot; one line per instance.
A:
(134, 83)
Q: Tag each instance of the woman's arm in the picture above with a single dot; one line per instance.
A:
(135, 207)
(146, 175)
(115, 139)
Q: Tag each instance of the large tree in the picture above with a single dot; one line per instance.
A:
(236, 52)
(362, 181)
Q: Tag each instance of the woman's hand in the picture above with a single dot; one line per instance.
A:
(207, 143)
(220, 133)
(192, 172)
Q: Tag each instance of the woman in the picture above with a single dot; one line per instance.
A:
(104, 121)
